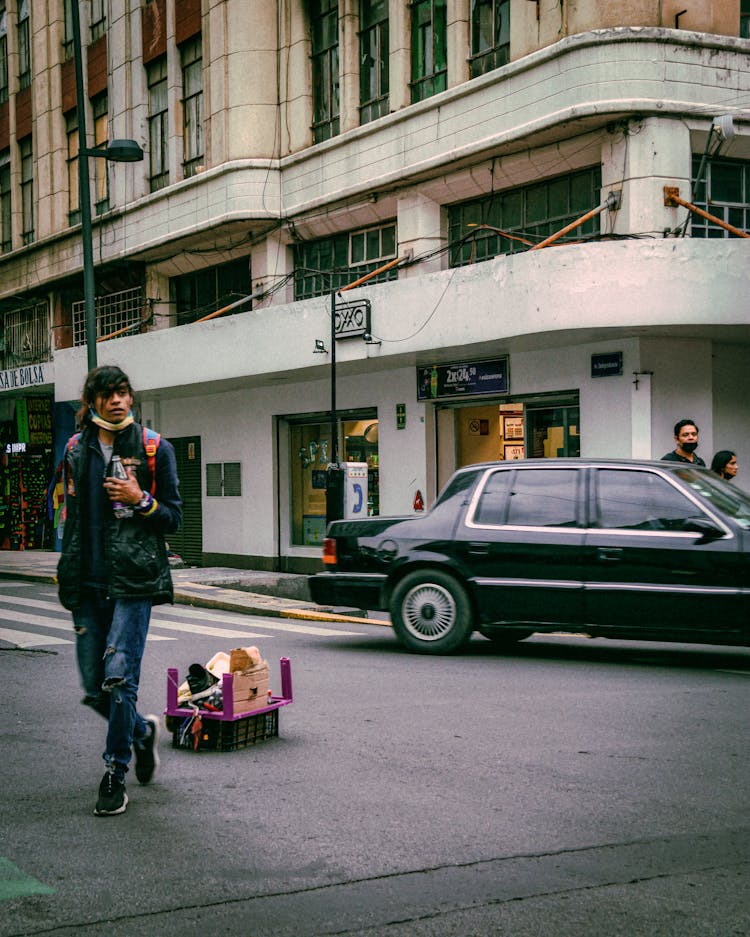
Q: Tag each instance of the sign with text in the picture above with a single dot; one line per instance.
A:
(352, 319)
(606, 365)
(470, 379)
(31, 376)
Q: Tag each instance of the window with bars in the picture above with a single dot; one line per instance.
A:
(373, 59)
(224, 479)
(429, 40)
(26, 154)
(116, 312)
(26, 337)
(71, 136)
(197, 294)
(490, 35)
(24, 46)
(6, 230)
(527, 214)
(330, 263)
(100, 105)
(158, 124)
(324, 30)
(191, 57)
(724, 192)
(97, 19)
(3, 53)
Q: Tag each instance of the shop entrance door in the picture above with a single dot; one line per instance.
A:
(552, 432)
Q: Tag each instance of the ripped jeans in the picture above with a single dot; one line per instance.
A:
(110, 640)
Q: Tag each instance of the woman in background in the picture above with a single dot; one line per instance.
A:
(724, 463)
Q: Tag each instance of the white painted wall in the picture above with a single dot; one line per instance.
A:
(661, 302)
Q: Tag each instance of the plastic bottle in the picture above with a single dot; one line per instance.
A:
(117, 470)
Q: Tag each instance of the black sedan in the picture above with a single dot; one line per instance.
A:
(656, 551)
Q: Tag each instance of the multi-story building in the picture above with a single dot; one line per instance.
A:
(291, 149)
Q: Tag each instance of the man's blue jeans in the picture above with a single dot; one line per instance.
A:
(110, 640)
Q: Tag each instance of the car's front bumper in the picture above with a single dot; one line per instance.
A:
(355, 590)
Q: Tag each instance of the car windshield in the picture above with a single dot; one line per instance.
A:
(723, 495)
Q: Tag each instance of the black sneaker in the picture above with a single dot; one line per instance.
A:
(112, 796)
(146, 752)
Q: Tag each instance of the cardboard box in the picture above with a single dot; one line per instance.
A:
(250, 688)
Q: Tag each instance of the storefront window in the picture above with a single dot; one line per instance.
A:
(508, 431)
(310, 451)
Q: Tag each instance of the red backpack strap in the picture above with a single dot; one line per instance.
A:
(151, 440)
(73, 440)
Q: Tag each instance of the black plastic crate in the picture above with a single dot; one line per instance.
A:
(220, 735)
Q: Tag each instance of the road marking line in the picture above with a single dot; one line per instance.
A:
(17, 884)
(28, 638)
(236, 618)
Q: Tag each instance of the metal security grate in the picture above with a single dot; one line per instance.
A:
(117, 312)
(26, 336)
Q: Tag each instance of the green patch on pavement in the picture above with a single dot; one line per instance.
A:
(16, 884)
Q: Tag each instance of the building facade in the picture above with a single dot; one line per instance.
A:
(351, 208)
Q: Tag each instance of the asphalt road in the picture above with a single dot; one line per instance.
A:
(570, 787)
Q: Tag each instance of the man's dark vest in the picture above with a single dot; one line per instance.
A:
(135, 554)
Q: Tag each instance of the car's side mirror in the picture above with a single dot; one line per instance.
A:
(703, 527)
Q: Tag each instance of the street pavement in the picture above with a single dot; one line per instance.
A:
(249, 592)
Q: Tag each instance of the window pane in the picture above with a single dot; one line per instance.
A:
(232, 479)
(726, 182)
(389, 241)
(358, 248)
(493, 503)
(213, 479)
(640, 501)
(541, 498)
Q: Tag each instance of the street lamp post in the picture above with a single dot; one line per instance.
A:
(119, 151)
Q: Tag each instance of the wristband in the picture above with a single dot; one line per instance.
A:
(145, 503)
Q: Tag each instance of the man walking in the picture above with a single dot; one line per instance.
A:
(686, 437)
(114, 567)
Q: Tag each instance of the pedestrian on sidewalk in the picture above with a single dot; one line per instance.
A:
(114, 567)
(686, 437)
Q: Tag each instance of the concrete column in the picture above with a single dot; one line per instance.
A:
(399, 53)
(459, 42)
(640, 408)
(270, 262)
(422, 228)
(640, 157)
(349, 65)
(295, 88)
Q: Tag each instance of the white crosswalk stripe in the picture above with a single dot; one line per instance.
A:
(166, 618)
(28, 639)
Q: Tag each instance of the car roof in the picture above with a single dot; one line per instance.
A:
(579, 461)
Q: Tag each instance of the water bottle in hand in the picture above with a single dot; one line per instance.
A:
(117, 470)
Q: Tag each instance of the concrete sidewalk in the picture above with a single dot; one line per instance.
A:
(278, 595)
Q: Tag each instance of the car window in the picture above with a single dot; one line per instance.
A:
(493, 503)
(640, 501)
(722, 494)
(529, 498)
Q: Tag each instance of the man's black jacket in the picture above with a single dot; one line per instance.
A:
(135, 561)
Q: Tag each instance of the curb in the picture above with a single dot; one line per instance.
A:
(205, 595)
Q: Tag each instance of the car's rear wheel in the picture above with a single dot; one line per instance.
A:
(505, 637)
(431, 612)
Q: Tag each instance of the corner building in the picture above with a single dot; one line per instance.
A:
(291, 149)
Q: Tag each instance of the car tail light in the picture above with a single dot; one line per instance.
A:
(329, 551)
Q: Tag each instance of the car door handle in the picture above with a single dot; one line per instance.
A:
(609, 554)
(479, 549)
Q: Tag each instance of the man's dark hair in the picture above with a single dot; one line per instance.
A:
(678, 426)
(105, 379)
